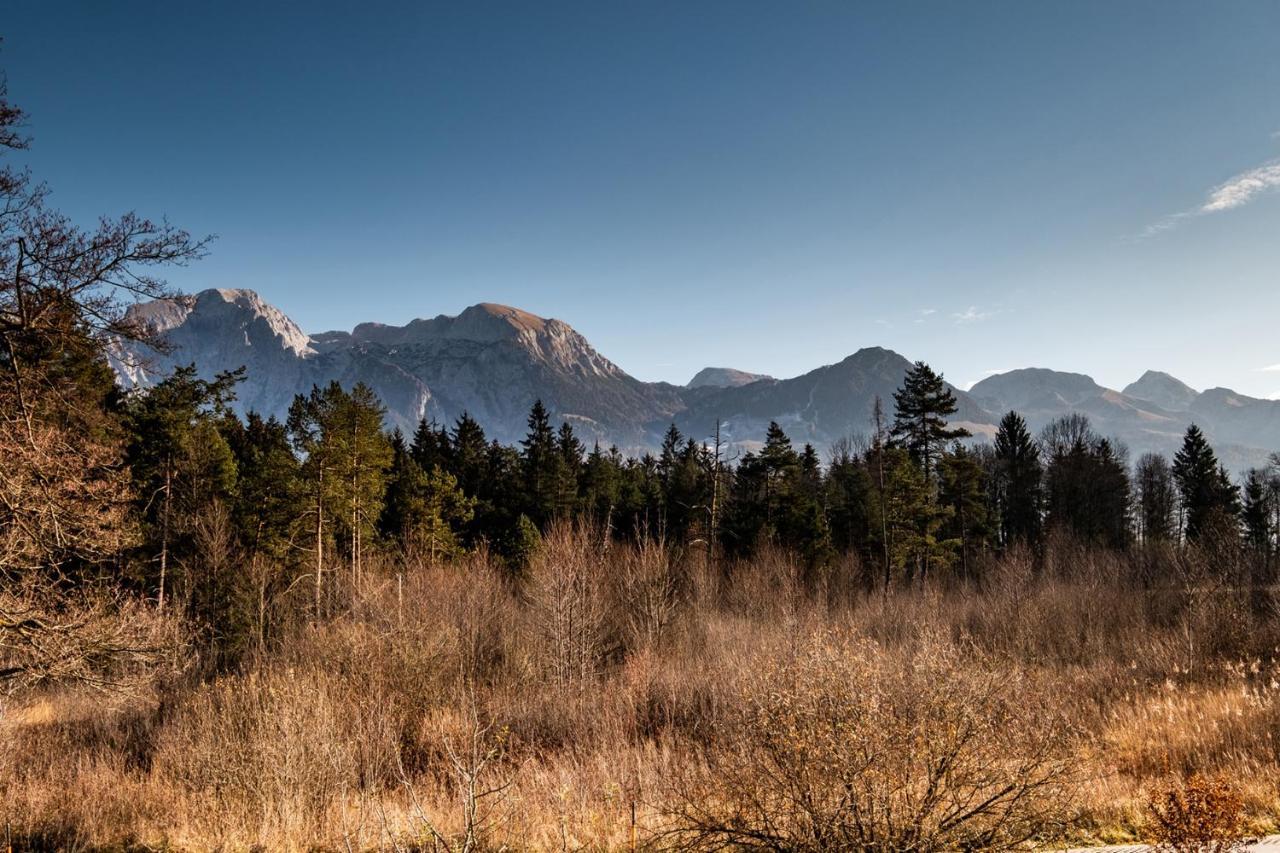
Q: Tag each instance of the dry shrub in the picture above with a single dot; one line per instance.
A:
(1196, 815)
(649, 588)
(263, 757)
(841, 744)
(567, 603)
(90, 636)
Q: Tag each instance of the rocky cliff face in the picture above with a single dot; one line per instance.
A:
(493, 361)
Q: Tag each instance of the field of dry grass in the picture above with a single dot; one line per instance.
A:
(620, 696)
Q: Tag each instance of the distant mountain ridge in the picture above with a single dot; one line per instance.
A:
(494, 360)
(723, 377)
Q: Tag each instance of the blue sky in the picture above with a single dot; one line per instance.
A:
(1089, 186)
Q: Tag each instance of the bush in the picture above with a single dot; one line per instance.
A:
(841, 744)
(1197, 815)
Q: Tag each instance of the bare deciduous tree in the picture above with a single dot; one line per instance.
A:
(86, 636)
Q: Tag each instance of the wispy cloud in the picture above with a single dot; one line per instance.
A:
(1235, 192)
(972, 314)
(1275, 368)
(1243, 188)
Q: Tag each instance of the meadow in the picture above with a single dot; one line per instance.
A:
(621, 696)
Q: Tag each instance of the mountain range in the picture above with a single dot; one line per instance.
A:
(493, 361)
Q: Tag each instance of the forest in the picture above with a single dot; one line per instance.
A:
(242, 633)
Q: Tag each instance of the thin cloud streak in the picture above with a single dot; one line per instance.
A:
(1236, 192)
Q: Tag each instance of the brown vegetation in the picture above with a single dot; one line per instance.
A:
(633, 691)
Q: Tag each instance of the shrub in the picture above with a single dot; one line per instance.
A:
(841, 744)
(1197, 815)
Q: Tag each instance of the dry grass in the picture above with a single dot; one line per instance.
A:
(608, 682)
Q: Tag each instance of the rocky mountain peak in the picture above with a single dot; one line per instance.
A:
(1164, 390)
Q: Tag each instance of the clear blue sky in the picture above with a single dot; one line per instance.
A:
(768, 186)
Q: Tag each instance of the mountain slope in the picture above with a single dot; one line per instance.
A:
(494, 361)
(723, 377)
(491, 360)
(1165, 391)
(1243, 429)
(821, 406)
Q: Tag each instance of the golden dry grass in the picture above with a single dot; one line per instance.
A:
(359, 733)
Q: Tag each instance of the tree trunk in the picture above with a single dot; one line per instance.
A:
(319, 539)
(164, 528)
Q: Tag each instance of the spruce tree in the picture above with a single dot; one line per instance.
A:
(963, 496)
(541, 464)
(1208, 495)
(1257, 514)
(1157, 498)
(1019, 482)
(922, 406)
(469, 451)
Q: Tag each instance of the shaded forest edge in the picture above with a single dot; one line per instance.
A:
(238, 632)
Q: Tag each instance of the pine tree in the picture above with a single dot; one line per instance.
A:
(425, 511)
(1086, 484)
(541, 463)
(963, 490)
(1208, 496)
(601, 486)
(469, 450)
(1019, 482)
(361, 471)
(1257, 514)
(431, 446)
(1157, 498)
(266, 511)
(922, 406)
(179, 461)
(848, 486)
(568, 471)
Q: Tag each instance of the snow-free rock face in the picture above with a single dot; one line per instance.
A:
(1170, 394)
(222, 330)
(493, 361)
(724, 377)
(821, 407)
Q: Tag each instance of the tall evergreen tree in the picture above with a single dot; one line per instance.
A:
(1019, 482)
(1087, 484)
(963, 494)
(541, 463)
(469, 452)
(1209, 498)
(922, 406)
(346, 461)
(848, 486)
(431, 446)
(425, 512)
(1157, 498)
(266, 512)
(179, 461)
(1258, 514)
